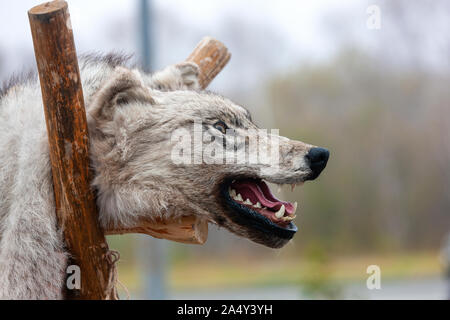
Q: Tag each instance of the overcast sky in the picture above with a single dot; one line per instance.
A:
(97, 23)
(264, 36)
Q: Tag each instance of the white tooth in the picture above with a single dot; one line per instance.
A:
(293, 187)
(295, 207)
(239, 197)
(248, 202)
(279, 189)
(280, 212)
(289, 218)
(232, 193)
(257, 205)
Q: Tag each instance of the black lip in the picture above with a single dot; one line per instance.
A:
(243, 215)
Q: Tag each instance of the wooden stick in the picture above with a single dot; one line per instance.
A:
(211, 56)
(190, 230)
(69, 142)
(69, 148)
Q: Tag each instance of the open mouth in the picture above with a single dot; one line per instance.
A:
(256, 206)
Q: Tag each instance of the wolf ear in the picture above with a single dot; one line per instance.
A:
(124, 87)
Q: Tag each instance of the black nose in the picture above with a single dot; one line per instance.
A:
(317, 158)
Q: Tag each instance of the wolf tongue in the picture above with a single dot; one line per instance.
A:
(260, 192)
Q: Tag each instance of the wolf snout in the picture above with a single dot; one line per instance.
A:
(317, 159)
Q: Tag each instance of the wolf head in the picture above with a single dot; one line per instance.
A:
(168, 154)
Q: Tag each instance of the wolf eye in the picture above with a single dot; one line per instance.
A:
(221, 126)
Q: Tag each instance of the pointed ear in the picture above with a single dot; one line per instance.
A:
(124, 87)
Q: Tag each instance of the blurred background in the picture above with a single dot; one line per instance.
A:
(368, 80)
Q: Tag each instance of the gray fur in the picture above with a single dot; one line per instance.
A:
(131, 116)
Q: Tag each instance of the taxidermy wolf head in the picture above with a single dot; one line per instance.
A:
(161, 148)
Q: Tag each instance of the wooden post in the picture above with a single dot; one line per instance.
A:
(69, 148)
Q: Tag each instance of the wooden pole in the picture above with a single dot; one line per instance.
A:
(65, 115)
